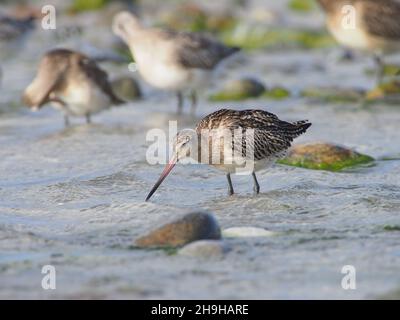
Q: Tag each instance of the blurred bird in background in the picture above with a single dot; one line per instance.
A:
(171, 60)
(73, 83)
(375, 29)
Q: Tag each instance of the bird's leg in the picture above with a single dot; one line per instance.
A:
(88, 120)
(230, 186)
(66, 120)
(256, 185)
(380, 66)
(180, 102)
(193, 98)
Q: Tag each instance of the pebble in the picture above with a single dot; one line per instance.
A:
(182, 230)
(205, 249)
(239, 232)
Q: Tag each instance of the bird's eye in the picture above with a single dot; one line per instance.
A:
(187, 139)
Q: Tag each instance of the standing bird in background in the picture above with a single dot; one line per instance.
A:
(73, 83)
(230, 140)
(171, 60)
(375, 29)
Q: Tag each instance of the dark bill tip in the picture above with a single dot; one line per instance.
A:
(163, 175)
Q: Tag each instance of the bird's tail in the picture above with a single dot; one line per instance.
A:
(299, 127)
(232, 50)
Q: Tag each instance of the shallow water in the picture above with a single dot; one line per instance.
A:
(74, 198)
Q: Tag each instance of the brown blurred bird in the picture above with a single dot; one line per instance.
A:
(375, 29)
(73, 83)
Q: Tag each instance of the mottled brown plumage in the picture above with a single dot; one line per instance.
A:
(382, 18)
(272, 136)
(246, 141)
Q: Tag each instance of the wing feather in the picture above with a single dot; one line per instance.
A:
(194, 50)
(382, 18)
(255, 132)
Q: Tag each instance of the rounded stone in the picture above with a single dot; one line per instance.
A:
(324, 156)
(239, 89)
(126, 88)
(240, 232)
(205, 249)
(182, 230)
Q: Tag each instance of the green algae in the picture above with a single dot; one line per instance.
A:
(302, 5)
(384, 90)
(256, 37)
(87, 5)
(391, 227)
(320, 156)
(277, 93)
(334, 95)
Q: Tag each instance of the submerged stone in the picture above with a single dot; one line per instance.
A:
(205, 249)
(260, 36)
(87, 5)
(389, 227)
(324, 156)
(240, 89)
(239, 232)
(277, 93)
(126, 88)
(388, 91)
(182, 230)
(389, 70)
(333, 94)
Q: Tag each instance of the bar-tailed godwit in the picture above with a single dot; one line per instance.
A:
(367, 25)
(247, 140)
(73, 83)
(171, 60)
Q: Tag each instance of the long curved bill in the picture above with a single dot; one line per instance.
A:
(163, 175)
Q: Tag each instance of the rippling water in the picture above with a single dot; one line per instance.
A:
(74, 197)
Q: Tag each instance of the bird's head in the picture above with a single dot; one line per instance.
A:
(182, 148)
(183, 144)
(125, 24)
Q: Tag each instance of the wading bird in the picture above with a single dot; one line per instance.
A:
(73, 83)
(368, 25)
(171, 60)
(247, 140)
